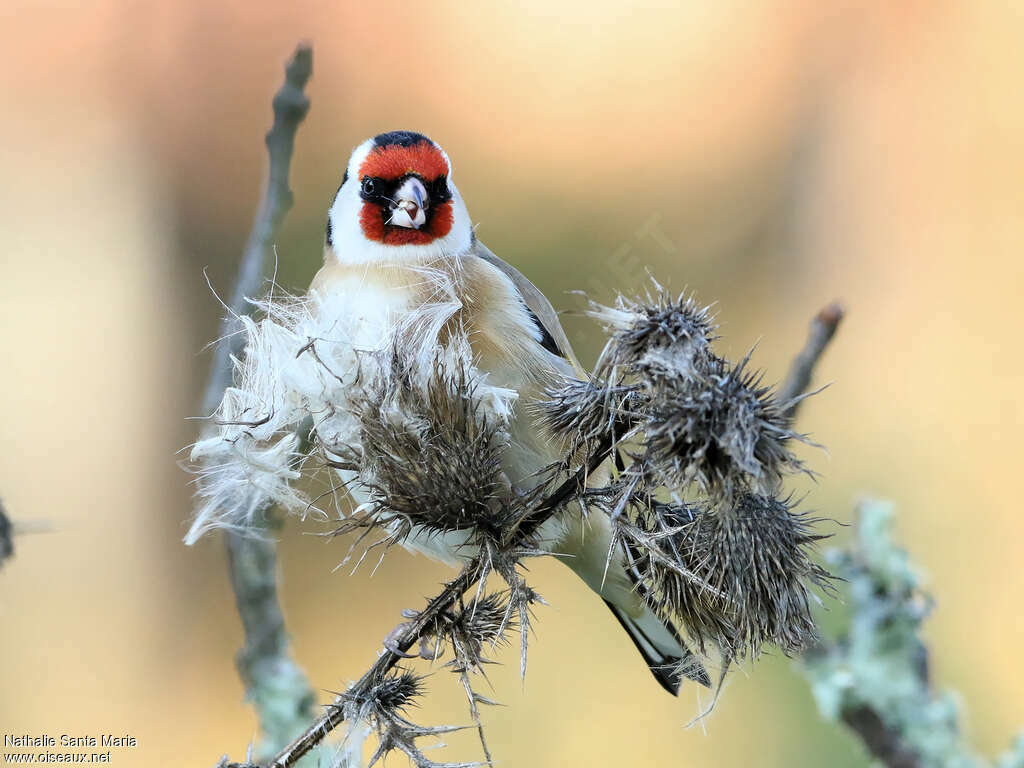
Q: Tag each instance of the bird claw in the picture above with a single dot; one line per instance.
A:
(393, 638)
(427, 649)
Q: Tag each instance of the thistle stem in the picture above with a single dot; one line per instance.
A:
(405, 637)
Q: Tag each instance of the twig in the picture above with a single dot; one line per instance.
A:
(290, 107)
(888, 607)
(6, 536)
(823, 328)
(11, 528)
(275, 684)
(883, 742)
(406, 636)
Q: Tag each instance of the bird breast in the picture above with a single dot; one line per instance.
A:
(478, 298)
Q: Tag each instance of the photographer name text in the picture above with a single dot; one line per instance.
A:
(67, 741)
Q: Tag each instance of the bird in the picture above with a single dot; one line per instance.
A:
(397, 211)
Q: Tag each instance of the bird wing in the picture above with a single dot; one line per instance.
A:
(665, 651)
(553, 335)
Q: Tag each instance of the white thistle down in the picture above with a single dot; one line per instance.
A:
(303, 363)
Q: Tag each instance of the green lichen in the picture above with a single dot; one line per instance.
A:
(873, 674)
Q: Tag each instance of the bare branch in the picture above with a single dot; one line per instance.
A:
(6, 536)
(290, 107)
(823, 328)
(275, 684)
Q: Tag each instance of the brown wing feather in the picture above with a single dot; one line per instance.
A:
(543, 313)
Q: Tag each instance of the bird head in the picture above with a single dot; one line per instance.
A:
(397, 202)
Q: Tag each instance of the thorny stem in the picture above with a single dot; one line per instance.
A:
(274, 682)
(405, 637)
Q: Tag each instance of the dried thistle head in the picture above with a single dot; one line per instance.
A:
(381, 704)
(661, 336)
(430, 453)
(520, 597)
(755, 557)
(676, 589)
(585, 412)
(723, 431)
(737, 577)
(469, 630)
(481, 622)
(386, 697)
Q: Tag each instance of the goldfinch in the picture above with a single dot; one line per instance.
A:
(400, 249)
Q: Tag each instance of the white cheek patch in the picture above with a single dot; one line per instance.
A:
(359, 155)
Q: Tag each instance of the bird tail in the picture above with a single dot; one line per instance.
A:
(662, 648)
(591, 553)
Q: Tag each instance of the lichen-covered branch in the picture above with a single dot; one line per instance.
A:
(274, 682)
(873, 676)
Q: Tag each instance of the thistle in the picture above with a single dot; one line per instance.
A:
(756, 559)
(720, 432)
(728, 559)
(382, 706)
(671, 580)
(683, 451)
(663, 336)
(429, 454)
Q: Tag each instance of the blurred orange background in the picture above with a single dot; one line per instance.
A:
(771, 155)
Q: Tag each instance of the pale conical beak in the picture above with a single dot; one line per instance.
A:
(409, 208)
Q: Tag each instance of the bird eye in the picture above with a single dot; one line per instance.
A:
(441, 192)
(369, 186)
